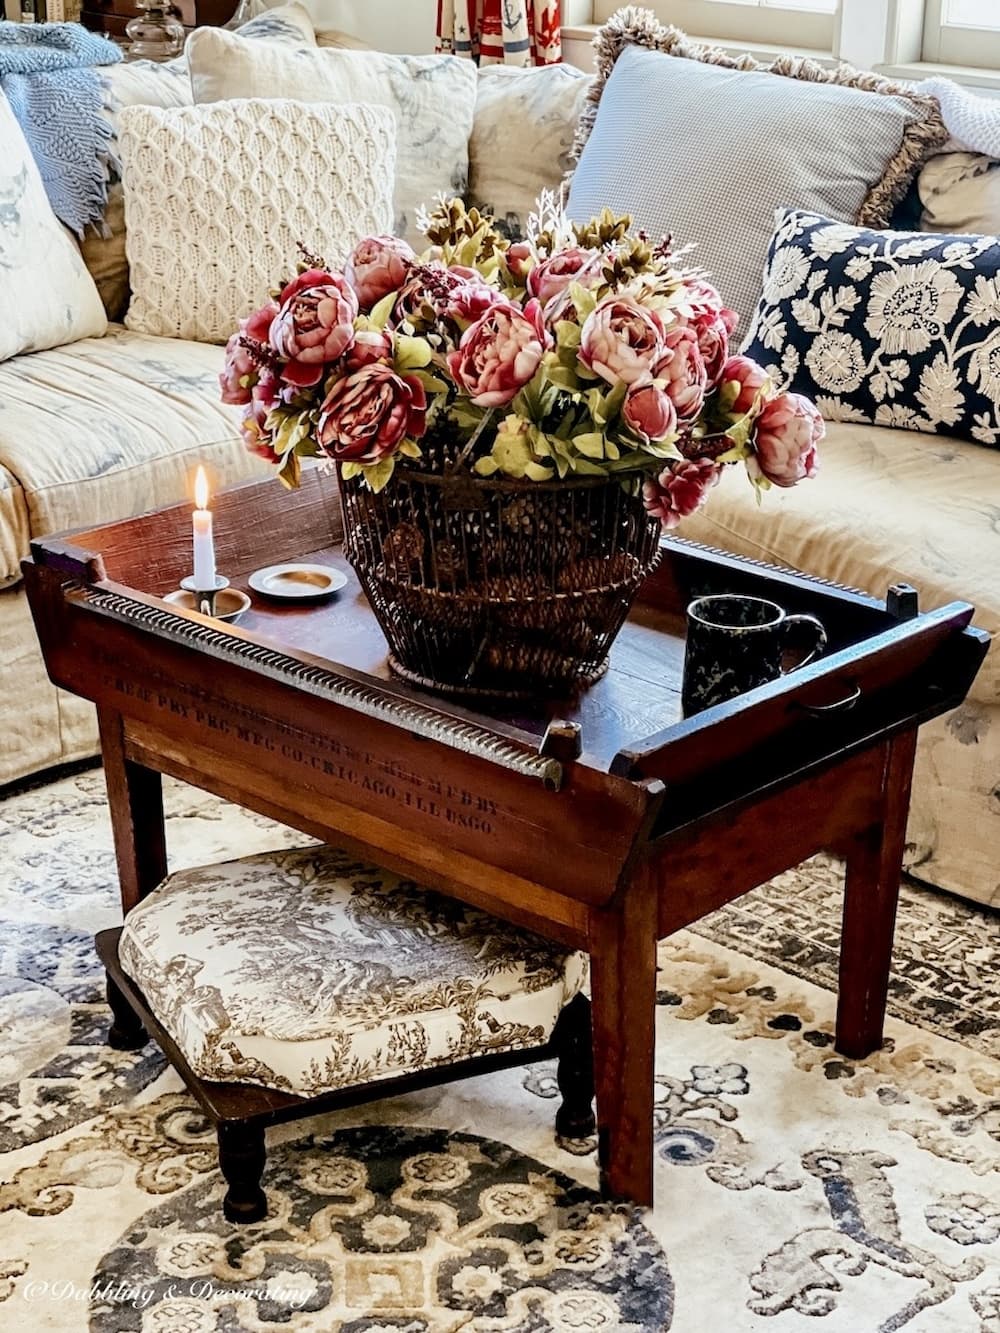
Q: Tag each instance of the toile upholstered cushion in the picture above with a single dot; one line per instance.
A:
(536, 109)
(220, 200)
(691, 141)
(306, 971)
(47, 297)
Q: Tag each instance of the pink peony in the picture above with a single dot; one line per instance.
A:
(789, 430)
(471, 299)
(239, 373)
(552, 276)
(519, 259)
(253, 427)
(680, 489)
(499, 354)
(369, 345)
(621, 340)
(703, 311)
(649, 411)
(313, 327)
(365, 416)
(747, 379)
(378, 265)
(312, 277)
(683, 372)
(713, 344)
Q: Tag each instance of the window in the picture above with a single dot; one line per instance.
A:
(962, 32)
(775, 23)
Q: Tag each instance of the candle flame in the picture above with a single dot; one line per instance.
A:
(201, 489)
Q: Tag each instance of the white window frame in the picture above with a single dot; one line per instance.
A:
(949, 44)
(769, 23)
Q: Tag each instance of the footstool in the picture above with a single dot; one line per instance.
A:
(293, 982)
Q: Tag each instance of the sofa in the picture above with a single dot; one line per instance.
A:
(112, 425)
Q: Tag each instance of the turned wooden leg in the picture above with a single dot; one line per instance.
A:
(126, 1032)
(874, 868)
(242, 1156)
(574, 1041)
(623, 1011)
(135, 796)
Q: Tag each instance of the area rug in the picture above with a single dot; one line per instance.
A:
(795, 1190)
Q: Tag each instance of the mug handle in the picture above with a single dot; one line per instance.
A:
(817, 633)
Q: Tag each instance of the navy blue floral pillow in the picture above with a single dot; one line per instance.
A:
(891, 328)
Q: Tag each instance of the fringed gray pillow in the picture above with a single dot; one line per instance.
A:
(692, 141)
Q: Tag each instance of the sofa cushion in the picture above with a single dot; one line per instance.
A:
(306, 971)
(706, 146)
(960, 193)
(887, 506)
(14, 526)
(897, 328)
(432, 97)
(536, 109)
(213, 225)
(112, 426)
(47, 297)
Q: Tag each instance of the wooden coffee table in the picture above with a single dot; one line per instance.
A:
(656, 822)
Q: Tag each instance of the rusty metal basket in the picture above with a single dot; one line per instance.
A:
(508, 588)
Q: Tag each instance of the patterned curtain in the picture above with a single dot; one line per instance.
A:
(501, 32)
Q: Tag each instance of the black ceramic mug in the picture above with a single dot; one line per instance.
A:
(736, 643)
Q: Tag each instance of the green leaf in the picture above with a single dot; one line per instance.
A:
(377, 475)
(613, 401)
(430, 382)
(567, 334)
(379, 316)
(584, 301)
(591, 444)
(350, 470)
(410, 449)
(411, 354)
(562, 377)
(740, 432)
(290, 472)
(586, 468)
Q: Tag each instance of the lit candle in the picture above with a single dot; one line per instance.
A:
(204, 547)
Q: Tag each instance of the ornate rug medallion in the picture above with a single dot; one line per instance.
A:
(796, 1191)
(425, 1229)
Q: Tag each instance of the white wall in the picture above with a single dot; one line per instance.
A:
(390, 25)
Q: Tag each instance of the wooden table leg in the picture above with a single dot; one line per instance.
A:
(623, 999)
(135, 795)
(874, 869)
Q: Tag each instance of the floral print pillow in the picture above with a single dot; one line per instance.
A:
(891, 328)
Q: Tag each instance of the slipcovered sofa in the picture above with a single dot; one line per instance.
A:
(113, 425)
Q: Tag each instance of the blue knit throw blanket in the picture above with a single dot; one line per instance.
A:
(48, 75)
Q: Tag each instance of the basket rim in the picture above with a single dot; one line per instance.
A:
(510, 485)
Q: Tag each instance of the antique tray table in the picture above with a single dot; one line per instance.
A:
(606, 822)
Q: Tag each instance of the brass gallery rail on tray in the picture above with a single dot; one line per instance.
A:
(605, 821)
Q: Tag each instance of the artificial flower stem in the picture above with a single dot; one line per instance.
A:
(474, 439)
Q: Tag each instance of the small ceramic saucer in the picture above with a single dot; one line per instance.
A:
(297, 583)
(230, 603)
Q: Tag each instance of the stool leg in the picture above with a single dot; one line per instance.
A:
(242, 1155)
(126, 1032)
(575, 1117)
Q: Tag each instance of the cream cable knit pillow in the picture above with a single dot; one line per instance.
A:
(218, 197)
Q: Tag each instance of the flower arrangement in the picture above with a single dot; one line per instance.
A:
(582, 351)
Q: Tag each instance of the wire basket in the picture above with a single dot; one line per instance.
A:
(504, 588)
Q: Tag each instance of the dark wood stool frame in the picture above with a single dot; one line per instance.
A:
(241, 1112)
(604, 822)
